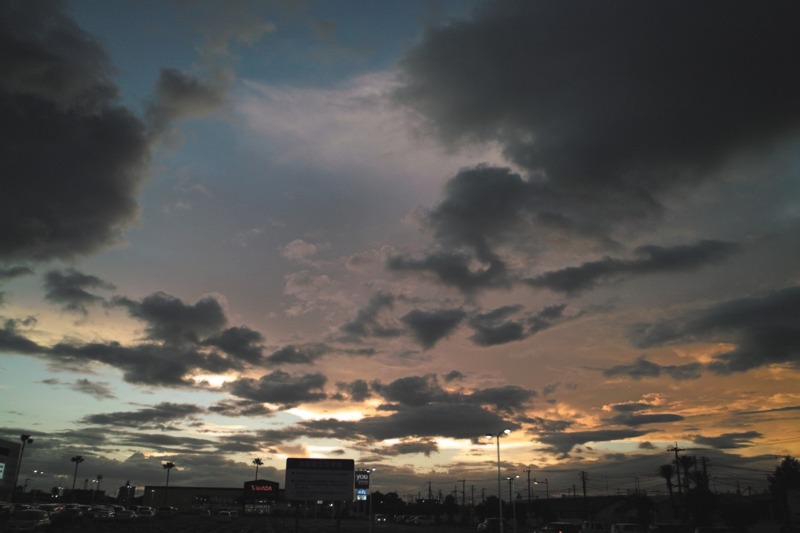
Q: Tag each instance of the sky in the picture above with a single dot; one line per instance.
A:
(381, 230)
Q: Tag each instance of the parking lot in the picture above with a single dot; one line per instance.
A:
(246, 524)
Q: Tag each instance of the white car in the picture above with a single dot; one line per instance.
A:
(224, 516)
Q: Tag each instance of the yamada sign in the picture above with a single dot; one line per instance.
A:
(262, 487)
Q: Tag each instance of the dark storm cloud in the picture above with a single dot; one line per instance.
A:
(368, 321)
(642, 368)
(144, 364)
(413, 390)
(417, 391)
(11, 340)
(563, 443)
(492, 328)
(68, 288)
(606, 105)
(429, 327)
(298, 355)
(161, 415)
(280, 388)
(425, 447)
(654, 260)
(728, 440)
(545, 425)
(175, 323)
(7, 274)
(454, 269)
(239, 342)
(632, 420)
(72, 159)
(236, 408)
(765, 330)
(453, 375)
(358, 390)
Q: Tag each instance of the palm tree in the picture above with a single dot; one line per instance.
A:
(26, 439)
(77, 460)
(168, 466)
(667, 471)
(685, 462)
(258, 462)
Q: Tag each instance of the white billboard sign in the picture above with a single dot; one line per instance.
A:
(319, 479)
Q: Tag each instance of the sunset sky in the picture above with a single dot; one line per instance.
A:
(380, 230)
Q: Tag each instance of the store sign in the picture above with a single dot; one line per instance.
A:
(362, 479)
(263, 488)
(319, 479)
(361, 494)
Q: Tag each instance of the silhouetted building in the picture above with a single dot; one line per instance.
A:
(9, 457)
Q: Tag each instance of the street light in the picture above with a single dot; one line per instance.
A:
(38, 473)
(511, 498)
(369, 527)
(499, 486)
(26, 439)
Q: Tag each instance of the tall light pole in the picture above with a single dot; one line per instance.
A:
(35, 483)
(511, 499)
(371, 475)
(26, 439)
(499, 485)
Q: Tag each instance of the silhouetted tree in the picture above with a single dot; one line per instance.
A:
(786, 476)
(685, 462)
(77, 460)
(667, 471)
(26, 439)
(167, 466)
(258, 462)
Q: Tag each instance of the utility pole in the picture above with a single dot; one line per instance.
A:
(585, 502)
(676, 449)
(528, 471)
(483, 495)
(463, 492)
(430, 492)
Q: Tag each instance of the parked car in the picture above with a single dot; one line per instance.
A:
(595, 527)
(492, 524)
(224, 516)
(380, 518)
(103, 514)
(234, 515)
(628, 528)
(205, 514)
(559, 527)
(73, 514)
(167, 512)
(28, 520)
(127, 516)
(146, 514)
(668, 528)
(420, 520)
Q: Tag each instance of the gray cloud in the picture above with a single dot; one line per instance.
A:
(429, 327)
(68, 288)
(240, 342)
(563, 443)
(7, 274)
(642, 368)
(453, 269)
(358, 390)
(655, 259)
(236, 408)
(545, 425)
(453, 375)
(298, 355)
(162, 415)
(425, 447)
(100, 390)
(280, 388)
(175, 323)
(606, 106)
(632, 420)
(369, 321)
(73, 159)
(765, 330)
(728, 440)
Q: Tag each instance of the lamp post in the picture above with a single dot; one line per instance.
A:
(511, 498)
(499, 485)
(152, 496)
(546, 487)
(26, 439)
(93, 491)
(371, 475)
